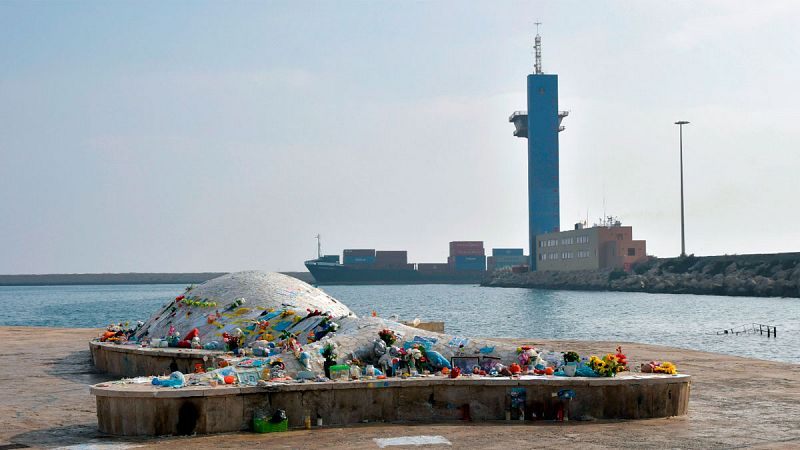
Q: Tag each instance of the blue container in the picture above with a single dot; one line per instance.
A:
(510, 259)
(461, 259)
(468, 262)
(366, 260)
(507, 252)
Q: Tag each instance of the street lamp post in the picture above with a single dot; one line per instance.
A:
(680, 125)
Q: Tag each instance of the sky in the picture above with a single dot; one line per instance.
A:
(219, 136)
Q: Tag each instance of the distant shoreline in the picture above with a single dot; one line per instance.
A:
(763, 275)
(73, 279)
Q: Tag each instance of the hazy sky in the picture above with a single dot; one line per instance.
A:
(221, 136)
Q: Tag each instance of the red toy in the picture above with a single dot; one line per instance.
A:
(187, 341)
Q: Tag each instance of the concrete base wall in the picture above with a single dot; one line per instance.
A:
(136, 410)
(130, 361)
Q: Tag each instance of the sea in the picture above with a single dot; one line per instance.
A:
(678, 320)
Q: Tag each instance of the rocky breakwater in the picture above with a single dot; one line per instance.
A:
(770, 275)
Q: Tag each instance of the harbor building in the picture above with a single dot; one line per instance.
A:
(540, 124)
(608, 245)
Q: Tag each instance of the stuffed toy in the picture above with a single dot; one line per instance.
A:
(176, 380)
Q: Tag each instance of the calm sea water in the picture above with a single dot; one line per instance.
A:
(687, 321)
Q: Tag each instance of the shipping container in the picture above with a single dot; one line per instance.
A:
(502, 265)
(507, 252)
(433, 267)
(468, 252)
(459, 259)
(467, 262)
(521, 259)
(362, 260)
(390, 265)
(359, 252)
(456, 245)
(392, 256)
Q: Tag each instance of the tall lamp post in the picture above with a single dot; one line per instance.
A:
(680, 125)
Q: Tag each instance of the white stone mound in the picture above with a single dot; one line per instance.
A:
(293, 321)
(216, 306)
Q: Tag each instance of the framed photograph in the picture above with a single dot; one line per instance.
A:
(488, 363)
(465, 363)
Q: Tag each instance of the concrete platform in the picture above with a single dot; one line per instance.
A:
(130, 361)
(145, 410)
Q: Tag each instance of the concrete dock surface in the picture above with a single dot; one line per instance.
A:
(735, 402)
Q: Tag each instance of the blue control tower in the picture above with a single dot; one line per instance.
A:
(540, 124)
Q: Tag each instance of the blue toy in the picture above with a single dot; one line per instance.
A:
(176, 380)
(437, 360)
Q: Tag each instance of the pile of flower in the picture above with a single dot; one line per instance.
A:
(610, 364)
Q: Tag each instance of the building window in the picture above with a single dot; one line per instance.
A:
(631, 252)
(566, 255)
(568, 241)
(582, 239)
(550, 256)
(583, 253)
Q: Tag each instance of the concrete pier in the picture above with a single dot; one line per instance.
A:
(146, 410)
(734, 402)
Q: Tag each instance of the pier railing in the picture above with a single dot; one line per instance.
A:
(755, 328)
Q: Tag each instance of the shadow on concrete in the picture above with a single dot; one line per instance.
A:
(86, 434)
(77, 367)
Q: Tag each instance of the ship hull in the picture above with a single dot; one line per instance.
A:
(330, 273)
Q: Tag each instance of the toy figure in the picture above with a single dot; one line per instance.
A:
(176, 380)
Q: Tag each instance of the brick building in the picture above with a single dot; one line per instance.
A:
(599, 247)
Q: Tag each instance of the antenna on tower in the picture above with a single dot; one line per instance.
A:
(537, 47)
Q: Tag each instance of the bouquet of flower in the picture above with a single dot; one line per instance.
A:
(388, 337)
(415, 357)
(621, 358)
(329, 352)
(571, 357)
(608, 366)
(666, 367)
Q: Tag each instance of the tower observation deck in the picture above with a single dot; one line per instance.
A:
(540, 124)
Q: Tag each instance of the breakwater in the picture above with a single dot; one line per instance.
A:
(766, 275)
(69, 279)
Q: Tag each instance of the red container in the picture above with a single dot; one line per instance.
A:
(468, 252)
(466, 244)
(467, 248)
(391, 256)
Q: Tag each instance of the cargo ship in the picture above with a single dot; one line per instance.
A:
(467, 264)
